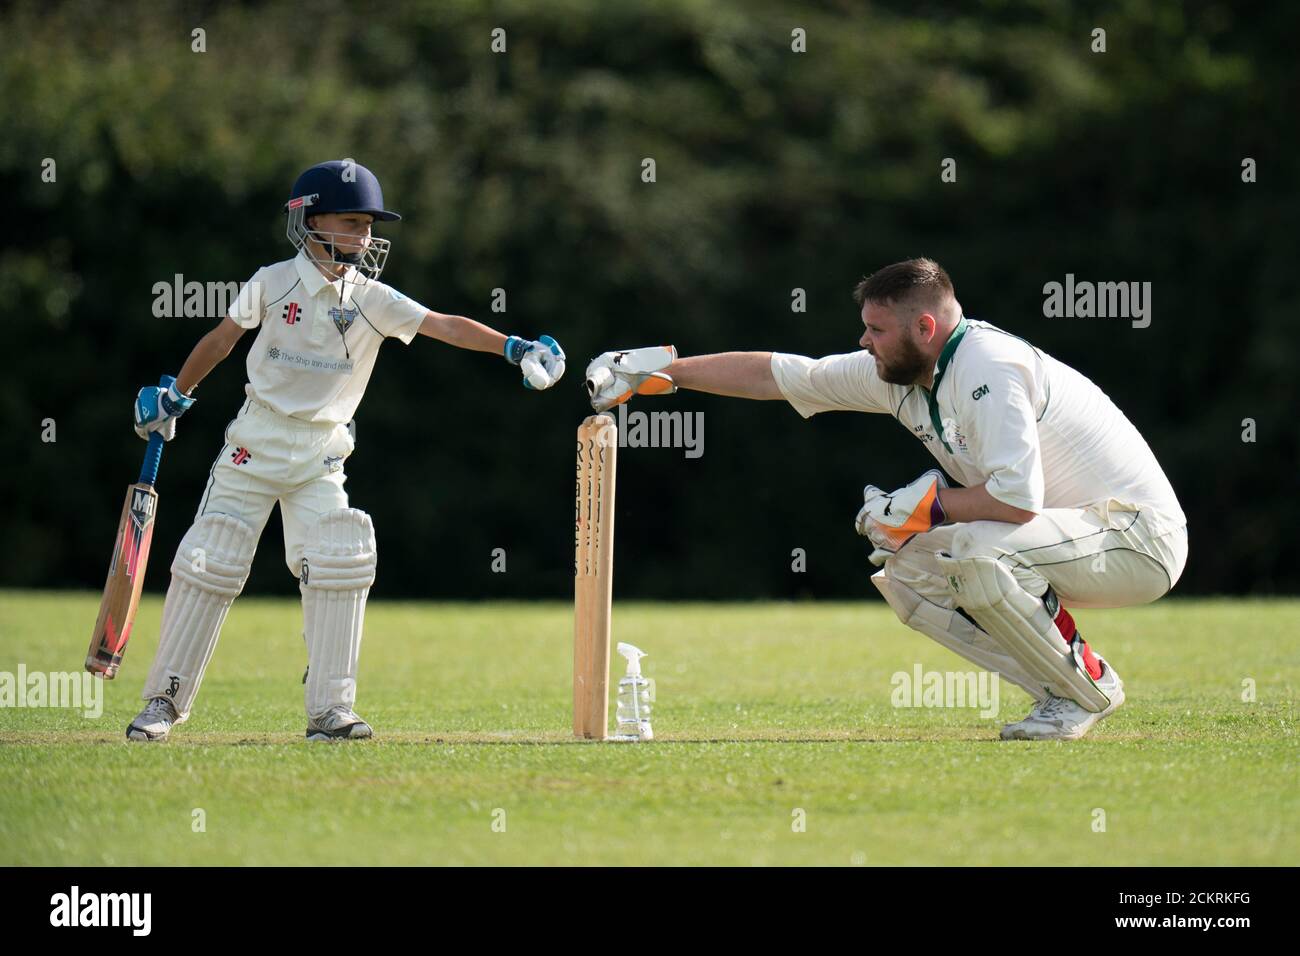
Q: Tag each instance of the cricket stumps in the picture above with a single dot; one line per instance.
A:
(593, 571)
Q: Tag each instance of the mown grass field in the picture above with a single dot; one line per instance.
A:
(768, 716)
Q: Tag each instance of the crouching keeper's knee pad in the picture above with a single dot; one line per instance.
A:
(987, 590)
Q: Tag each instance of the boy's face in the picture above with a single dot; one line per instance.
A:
(351, 230)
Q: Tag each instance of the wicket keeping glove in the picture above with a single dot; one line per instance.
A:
(157, 408)
(889, 521)
(614, 377)
(542, 361)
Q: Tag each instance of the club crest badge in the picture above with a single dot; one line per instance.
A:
(343, 319)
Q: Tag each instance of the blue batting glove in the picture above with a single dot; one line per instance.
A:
(516, 348)
(157, 407)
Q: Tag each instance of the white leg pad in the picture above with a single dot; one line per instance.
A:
(987, 590)
(208, 572)
(954, 632)
(338, 567)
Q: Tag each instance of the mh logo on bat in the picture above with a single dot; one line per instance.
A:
(143, 506)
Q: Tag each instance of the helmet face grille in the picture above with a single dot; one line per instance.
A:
(368, 262)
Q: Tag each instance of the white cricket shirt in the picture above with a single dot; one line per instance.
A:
(317, 339)
(1038, 432)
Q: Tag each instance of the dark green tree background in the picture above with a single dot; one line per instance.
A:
(776, 170)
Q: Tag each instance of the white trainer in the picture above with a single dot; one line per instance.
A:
(338, 723)
(1056, 718)
(154, 722)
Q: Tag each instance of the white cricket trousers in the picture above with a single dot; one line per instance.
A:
(267, 458)
(1110, 555)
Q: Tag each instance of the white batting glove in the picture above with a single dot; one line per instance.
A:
(889, 521)
(614, 377)
(542, 361)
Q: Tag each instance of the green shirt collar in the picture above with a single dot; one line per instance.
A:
(940, 367)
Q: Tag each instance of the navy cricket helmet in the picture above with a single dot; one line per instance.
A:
(338, 186)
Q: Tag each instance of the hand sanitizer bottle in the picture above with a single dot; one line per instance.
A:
(633, 699)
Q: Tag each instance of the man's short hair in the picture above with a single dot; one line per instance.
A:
(917, 283)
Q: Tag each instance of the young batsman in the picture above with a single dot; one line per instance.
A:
(320, 318)
(1060, 500)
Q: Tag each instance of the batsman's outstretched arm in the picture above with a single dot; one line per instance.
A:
(541, 361)
(462, 332)
(737, 374)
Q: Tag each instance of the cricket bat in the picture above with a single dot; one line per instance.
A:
(126, 570)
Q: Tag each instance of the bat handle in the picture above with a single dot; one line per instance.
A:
(153, 454)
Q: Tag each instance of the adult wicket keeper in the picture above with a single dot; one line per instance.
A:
(1059, 502)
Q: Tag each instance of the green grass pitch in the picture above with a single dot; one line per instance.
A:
(778, 744)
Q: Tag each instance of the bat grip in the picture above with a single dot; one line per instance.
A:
(153, 454)
(152, 457)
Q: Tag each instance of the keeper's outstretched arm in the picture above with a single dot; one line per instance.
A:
(737, 374)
